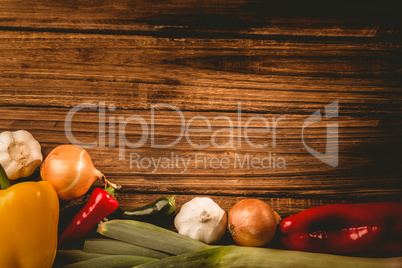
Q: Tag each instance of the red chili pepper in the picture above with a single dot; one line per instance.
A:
(99, 205)
(345, 228)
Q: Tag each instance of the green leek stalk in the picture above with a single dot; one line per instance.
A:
(253, 257)
(195, 254)
(115, 261)
(150, 236)
(68, 256)
(115, 247)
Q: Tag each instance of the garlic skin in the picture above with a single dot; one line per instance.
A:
(201, 219)
(20, 153)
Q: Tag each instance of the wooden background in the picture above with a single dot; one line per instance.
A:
(205, 57)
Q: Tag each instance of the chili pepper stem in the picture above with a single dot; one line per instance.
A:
(110, 190)
(172, 202)
(4, 181)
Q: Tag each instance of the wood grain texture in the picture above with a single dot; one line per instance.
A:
(259, 18)
(284, 206)
(198, 74)
(210, 59)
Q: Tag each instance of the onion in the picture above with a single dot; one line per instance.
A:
(70, 170)
(252, 223)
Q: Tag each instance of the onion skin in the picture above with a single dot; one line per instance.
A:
(252, 223)
(70, 170)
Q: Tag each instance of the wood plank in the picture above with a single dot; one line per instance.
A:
(134, 72)
(241, 17)
(364, 172)
(284, 206)
(43, 75)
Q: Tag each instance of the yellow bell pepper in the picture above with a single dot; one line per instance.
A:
(29, 214)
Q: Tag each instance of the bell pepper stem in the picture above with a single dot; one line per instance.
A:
(4, 181)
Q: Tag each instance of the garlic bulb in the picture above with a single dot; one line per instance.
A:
(20, 153)
(202, 219)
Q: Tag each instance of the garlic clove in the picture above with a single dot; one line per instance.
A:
(199, 234)
(36, 154)
(3, 156)
(3, 147)
(11, 168)
(22, 135)
(6, 137)
(29, 168)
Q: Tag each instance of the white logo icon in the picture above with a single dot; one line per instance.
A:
(330, 156)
